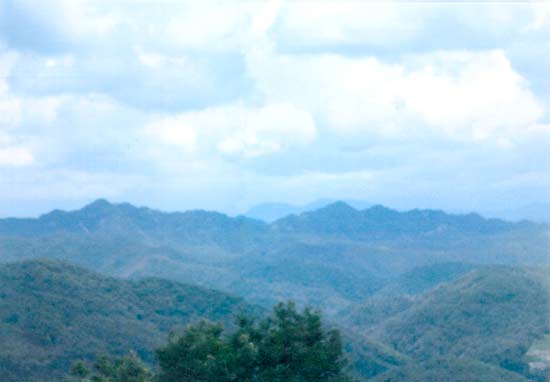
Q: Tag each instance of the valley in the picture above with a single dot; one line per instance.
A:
(417, 295)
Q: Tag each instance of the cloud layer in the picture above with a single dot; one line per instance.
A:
(222, 105)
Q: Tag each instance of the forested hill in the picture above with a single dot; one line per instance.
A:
(125, 219)
(53, 313)
(485, 324)
(340, 218)
(330, 257)
(492, 315)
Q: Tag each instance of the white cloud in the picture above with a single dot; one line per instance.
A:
(235, 130)
(69, 24)
(541, 16)
(464, 96)
(249, 99)
(471, 96)
(15, 156)
(55, 25)
(10, 108)
(330, 24)
(174, 131)
(10, 112)
(349, 22)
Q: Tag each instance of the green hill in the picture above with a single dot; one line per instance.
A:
(368, 357)
(399, 294)
(492, 314)
(332, 257)
(53, 313)
(424, 278)
(449, 370)
(406, 287)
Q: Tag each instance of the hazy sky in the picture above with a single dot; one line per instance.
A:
(221, 105)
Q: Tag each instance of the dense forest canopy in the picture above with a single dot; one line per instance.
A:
(418, 294)
(285, 346)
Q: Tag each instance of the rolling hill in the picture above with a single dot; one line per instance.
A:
(53, 313)
(332, 257)
(452, 370)
(492, 315)
(417, 294)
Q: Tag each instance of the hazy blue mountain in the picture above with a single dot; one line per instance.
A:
(114, 219)
(269, 212)
(331, 257)
(340, 218)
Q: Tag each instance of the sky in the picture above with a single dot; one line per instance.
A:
(222, 105)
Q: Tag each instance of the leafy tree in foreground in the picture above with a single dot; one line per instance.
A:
(287, 346)
(105, 369)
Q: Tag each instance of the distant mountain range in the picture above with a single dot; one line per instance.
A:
(329, 257)
(269, 212)
(418, 294)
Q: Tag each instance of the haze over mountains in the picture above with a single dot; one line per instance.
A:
(398, 150)
(418, 294)
(269, 212)
(330, 257)
(537, 212)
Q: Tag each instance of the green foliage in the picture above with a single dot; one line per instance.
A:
(336, 258)
(287, 346)
(400, 294)
(329, 258)
(449, 370)
(369, 357)
(492, 314)
(53, 313)
(424, 278)
(107, 369)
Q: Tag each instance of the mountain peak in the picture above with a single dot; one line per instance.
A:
(338, 206)
(379, 208)
(98, 204)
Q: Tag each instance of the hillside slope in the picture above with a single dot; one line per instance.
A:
(449, 370)
(492, 314)
(332, 257)
(52, 313)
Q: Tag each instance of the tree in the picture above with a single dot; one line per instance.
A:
(106, 369)
(200, 354)
(287, 346)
